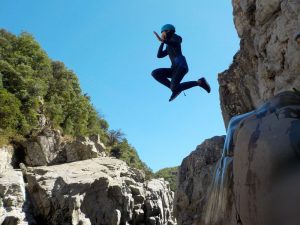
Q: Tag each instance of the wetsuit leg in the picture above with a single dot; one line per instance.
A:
(187, 85)
(178, 74)
(162, 75)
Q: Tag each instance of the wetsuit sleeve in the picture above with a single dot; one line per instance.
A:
(173, 41)
(161, 53)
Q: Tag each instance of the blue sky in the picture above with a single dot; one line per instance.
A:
(111, 47)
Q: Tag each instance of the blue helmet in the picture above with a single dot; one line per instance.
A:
(167, 27)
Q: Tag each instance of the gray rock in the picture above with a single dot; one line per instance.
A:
(136, 190)
(256, 180)
(195, 177)
(98, 144)
(6, 158)
(159, 200)
(81, 149)
(138, 216)
(219, 205)
(44, 149)
(152, 221)
(268, 61)
(139, 199)
(75, 193)
(49, 148)
(116, 217)
(12, 198)
(266, 164)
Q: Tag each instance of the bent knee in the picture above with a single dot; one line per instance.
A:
(154, 73)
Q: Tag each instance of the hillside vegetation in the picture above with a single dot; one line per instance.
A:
(33, 87)
(169, 174)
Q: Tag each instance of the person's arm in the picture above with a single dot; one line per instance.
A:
(161, 53)
(173, 41)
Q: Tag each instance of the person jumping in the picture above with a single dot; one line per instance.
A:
(179, 66)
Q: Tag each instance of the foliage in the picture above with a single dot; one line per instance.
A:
(32, 84)
(169, 174)
(124, 151)
(114, 137)
(10, 114)
(36, 84)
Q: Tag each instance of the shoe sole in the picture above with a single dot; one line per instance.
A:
(207, 85)
(175, 96)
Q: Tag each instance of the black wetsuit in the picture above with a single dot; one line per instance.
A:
(178, 69)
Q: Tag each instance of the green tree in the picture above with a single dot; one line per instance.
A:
(124, 151)
(169, 174)
(32, 84)
(10, 114)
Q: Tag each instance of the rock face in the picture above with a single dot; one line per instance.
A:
(266, 164)
(49, 148)
(84, 148)
(256, 180)
(98, 191)
(268, 61)
(220, 207)
(12, 198)
(77, 185)
(194, 179)
(13, 205)
(265, 161)
(44, 149)
(6, 158)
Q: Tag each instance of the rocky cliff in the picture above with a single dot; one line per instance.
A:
(255, 180)
(72, 182)
(251, 178)
(268, 61)
(194, 178)
(57, 176)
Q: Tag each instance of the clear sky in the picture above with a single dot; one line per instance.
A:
(111, 47)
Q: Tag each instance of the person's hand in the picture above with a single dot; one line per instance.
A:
(158, 37)
(164, 36)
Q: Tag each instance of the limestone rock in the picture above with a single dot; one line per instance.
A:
(267, 163)
(12, 198)
(256, 180)
(159, 201)
(268, 61)
(219, 206)
(6, 158)
(83, 148)
(195, 176)
(49, 148)
(97, 142)
(44, 149)
(97, 191)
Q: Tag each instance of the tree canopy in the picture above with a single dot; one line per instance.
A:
(169, 174)
(32, 85)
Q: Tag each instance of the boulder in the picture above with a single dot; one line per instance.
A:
(48, 147)
(194, 179)
(97, 191)
(6, 158)
(256, 179)
(159, 201)
(83, 148)
(266, 164)
(268, 61)
(44, 149)
(12, 198)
